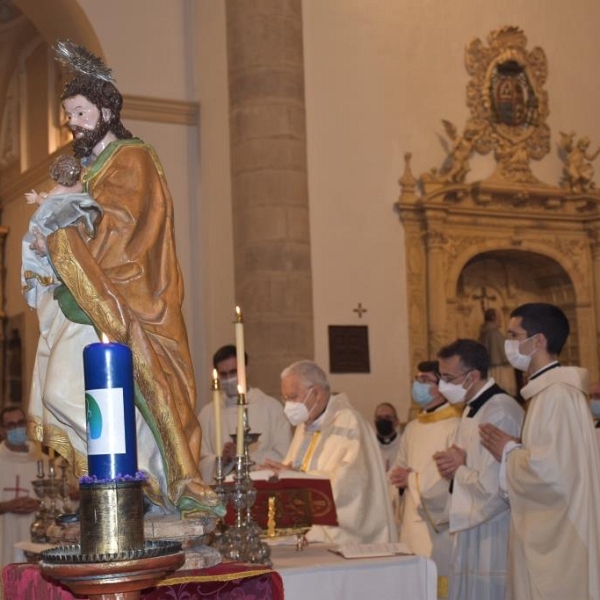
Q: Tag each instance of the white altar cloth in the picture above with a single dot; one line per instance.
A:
(319, 574)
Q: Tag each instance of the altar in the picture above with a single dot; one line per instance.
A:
(315, 573)
(319, 574)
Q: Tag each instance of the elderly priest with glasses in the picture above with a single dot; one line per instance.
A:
(333, 439)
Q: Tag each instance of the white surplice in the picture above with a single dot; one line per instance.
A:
(424, 520)
(265, 416)
(479, 514)
(389, 451)
(342, 446)
(553, 483)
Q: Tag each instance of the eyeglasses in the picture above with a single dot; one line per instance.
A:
(451, 378)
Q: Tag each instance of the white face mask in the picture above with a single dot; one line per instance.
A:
(230, 386)
(519, 361)
(453, 392)
(296, 412)
(595, 407)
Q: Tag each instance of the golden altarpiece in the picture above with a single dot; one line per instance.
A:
(509, 238)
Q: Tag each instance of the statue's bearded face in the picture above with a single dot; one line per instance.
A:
(86, 122)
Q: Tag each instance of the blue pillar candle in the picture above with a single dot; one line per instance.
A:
(110, 411)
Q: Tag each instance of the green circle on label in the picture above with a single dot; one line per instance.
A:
(94, 417)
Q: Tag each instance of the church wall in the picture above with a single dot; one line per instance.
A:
(153, 47)
(377, 88)
(216, 228)
(380, 76)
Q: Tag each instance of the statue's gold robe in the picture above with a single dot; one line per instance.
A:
(126, 282)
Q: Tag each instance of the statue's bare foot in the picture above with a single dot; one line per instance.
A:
(197, 499)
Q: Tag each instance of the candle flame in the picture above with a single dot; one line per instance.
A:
(240, 390)
(238, 315)
(216, 385)
(105, 339)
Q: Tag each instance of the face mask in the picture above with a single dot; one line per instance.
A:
(453, 392)
(421, 393)
(519, 361)
(230, 386)
(385, 427)
(17, 436)
(296, 412)
(595, 408)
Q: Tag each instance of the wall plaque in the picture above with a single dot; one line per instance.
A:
(349, 349)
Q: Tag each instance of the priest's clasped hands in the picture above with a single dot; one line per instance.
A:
(449, 460)
(398, 477)
(494, 439)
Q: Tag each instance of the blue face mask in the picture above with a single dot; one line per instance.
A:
(421, 393)
(16, 436)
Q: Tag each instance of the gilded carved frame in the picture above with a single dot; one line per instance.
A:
(449, 221)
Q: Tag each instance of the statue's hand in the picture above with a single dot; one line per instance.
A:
(31, 197)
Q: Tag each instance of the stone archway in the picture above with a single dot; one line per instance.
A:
(540, 230)
(509, 238)
(504, 279)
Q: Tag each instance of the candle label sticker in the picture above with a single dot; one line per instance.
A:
(105, 417)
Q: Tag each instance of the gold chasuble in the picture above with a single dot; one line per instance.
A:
(125, 281)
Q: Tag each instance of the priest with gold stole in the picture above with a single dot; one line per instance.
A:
(552, 473)
(424, 515)
(333, 440)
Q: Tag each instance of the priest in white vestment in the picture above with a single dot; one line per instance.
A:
(552, 473)
(332, 439)
(265, 416)
(18, 468)
(388, 434)
(424, 517)
(595, 408)
(479, 514)
(387, 428)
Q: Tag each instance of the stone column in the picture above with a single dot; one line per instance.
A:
(595, 235)
(273, 283)
(436, 281)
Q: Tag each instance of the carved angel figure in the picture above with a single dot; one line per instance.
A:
(578, 172)
(456, 166)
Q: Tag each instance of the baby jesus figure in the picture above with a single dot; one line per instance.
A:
(65, 205)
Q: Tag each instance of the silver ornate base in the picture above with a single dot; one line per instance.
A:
(242, 540)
